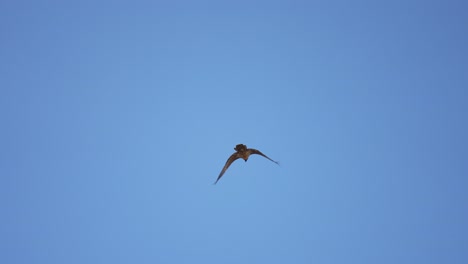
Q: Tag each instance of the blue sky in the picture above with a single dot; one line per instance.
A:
(117, 117)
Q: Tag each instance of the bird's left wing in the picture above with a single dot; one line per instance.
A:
(258, 152)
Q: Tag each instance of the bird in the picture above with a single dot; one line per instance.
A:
(241, 152)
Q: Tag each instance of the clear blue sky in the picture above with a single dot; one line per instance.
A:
(117, 117)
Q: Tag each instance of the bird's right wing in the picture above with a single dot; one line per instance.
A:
(228, 163)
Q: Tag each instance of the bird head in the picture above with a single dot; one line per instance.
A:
(240, 147)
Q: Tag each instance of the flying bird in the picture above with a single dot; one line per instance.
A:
(241, 152)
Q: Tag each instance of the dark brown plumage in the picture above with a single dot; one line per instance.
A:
(241, 152)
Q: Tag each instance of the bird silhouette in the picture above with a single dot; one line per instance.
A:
(241, 152)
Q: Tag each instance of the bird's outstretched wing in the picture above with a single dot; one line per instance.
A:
(228, 163)
(254, 151)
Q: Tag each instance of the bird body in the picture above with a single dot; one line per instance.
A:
(242, 152)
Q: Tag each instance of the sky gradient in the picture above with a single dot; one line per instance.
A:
(117, 117)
